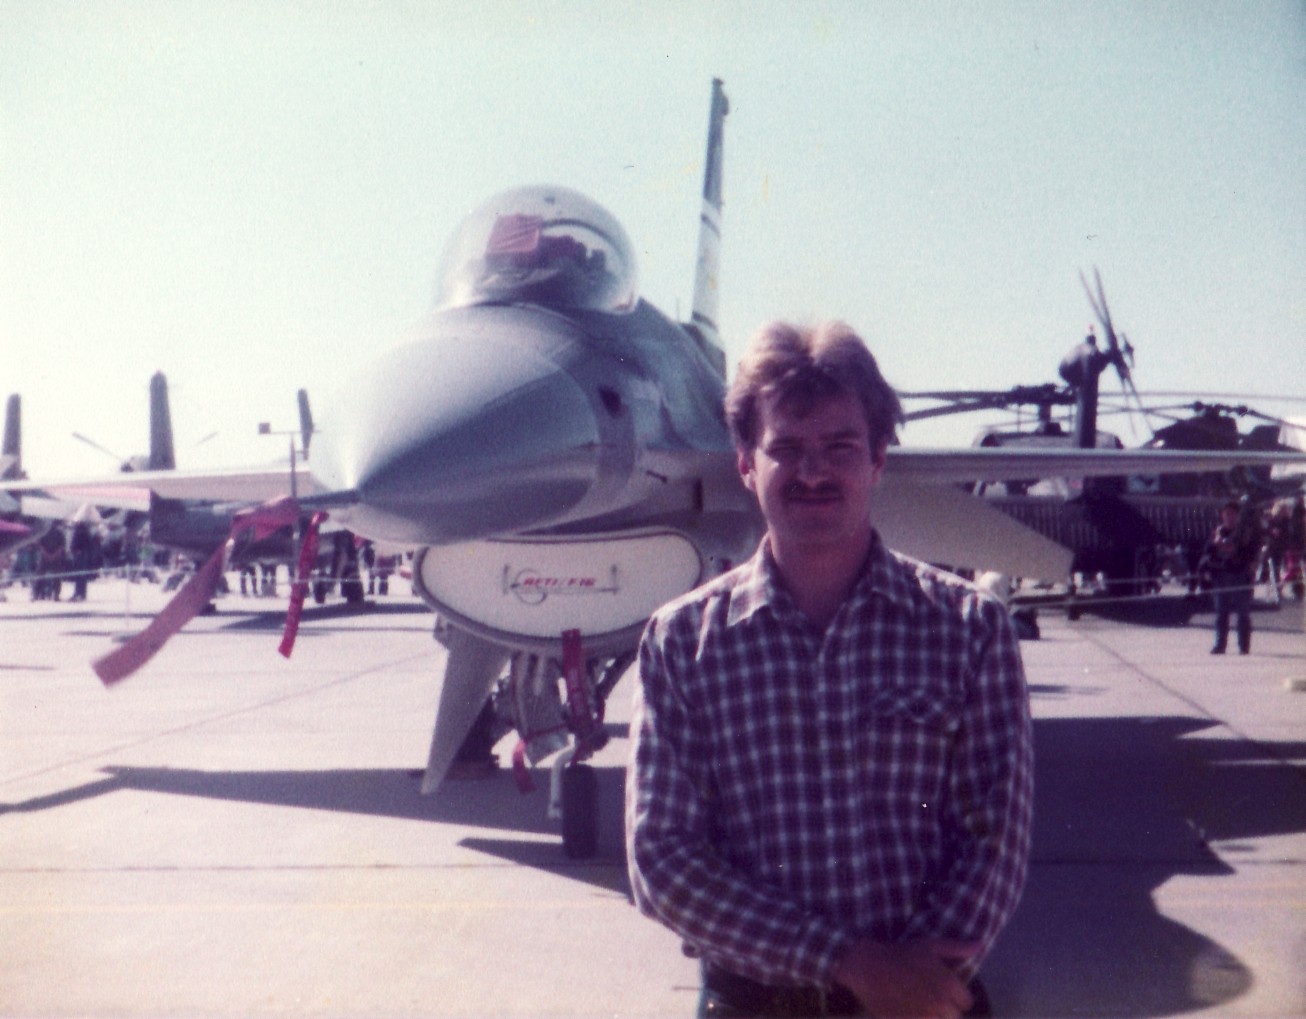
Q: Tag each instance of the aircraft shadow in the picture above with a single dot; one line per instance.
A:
(492, 802)
(1122, 806)
(379, 792)
(1170, 611)
(1162, 612)
(274, 616)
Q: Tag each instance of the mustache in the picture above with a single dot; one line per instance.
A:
(822, 490)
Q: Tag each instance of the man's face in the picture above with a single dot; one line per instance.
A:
(813, 472)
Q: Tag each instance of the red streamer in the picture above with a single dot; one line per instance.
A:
(185, 605)
(307, 556)
(190, 600)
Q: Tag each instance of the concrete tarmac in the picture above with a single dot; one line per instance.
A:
(232, 834)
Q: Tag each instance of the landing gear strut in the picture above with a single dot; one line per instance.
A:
(543, 721)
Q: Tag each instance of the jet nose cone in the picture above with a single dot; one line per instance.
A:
(469, 432)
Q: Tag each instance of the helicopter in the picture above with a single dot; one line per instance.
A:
(1126, 532)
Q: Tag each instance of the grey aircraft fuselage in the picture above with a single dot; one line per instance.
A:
(524, 412)
(524, 419)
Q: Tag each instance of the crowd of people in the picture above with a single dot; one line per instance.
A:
(1284, 548)
(74, 554)
(1251, 545)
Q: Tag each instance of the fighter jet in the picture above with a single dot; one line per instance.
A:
(554, 450)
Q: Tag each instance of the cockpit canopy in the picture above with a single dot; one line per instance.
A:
(539, 245)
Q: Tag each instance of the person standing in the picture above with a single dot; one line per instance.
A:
(830, 789)
(1293, 567)
(1231, 557)
(84, 550)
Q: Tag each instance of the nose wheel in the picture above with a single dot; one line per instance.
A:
(579, 807)
(574, 800)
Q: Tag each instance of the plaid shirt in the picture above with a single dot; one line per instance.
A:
(791, 790)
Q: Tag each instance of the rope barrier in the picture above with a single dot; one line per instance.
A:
(1096, 599)
(24, 578)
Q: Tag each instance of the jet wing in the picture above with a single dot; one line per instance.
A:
(920, 512)
(42, 501)
(132, 490)
(45, 507)
(942, 524)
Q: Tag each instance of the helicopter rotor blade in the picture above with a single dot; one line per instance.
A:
(1101, 298)
(95, 445)
(1092, 298)
(1118, 348)
(953, 394)
(966, 401)
(1103, 312)
(1209, 395)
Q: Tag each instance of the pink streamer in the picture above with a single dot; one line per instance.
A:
(189, 602)
(307, 556)
(184, 606)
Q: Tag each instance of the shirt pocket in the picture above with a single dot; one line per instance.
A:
(931, 709)
(904, 744)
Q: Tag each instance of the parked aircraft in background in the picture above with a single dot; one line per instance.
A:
(16, 528)
(14, 534)
(11, 447)
(1127, 529)
(190, 527)
(195, 527)
(554, 449)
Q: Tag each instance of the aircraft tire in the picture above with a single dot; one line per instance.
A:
(320, 593)
(580, 813)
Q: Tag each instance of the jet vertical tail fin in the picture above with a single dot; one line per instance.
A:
(704, 318)
(305, 421)
(162, 455)
(11, 453)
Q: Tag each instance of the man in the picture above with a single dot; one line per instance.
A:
(1231, 557)
(830, 786)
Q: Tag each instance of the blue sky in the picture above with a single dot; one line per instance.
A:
(253, 197)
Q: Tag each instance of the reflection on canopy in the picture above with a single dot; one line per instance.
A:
(539, 245)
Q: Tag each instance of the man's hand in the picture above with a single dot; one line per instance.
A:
(914, 978)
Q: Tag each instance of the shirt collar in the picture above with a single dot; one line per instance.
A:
(758, 587)
(887, 576)
(759, 583)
